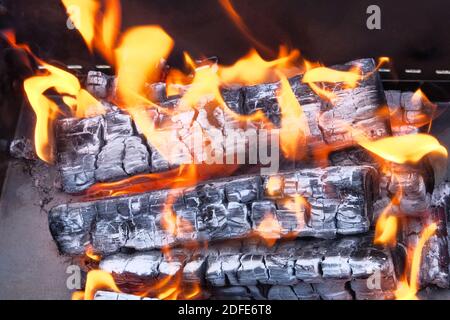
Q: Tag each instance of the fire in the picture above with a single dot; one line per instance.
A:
(407, 288)
(253, 69)
(425, 118)
(46, 110)
(269, 229)
(184, 176)
(96, 280)
(239, 22)
(398, 149)
(138, 59)
(315, 73)
(205, 88)
(274, 184)
(294, 124)
(90, 253)
(387, 228)
(83, 15)
(99, 31)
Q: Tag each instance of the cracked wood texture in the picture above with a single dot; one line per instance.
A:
(341, 269)
(308, 203)
(434, 268)
(110, 148)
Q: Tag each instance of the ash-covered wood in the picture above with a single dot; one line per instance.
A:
(341, 269)
(308, 203)
(435, 255)
(410, 113)
(328, 126)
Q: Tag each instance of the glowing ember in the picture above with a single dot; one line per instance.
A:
(408, 287)
(90, 253)
(274, 185)
(269, 229)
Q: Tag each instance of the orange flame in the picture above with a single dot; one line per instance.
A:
(47, 110)
(98, 31)
(269, 229)
(240, 24)
(96, 280)
(386, 228)
(274, 184)
(90, 253)
(138, 60)
(407, 288)
(318, 74)
(294, 124)
(205, 88)
(83, 15)
(253, 69)
(184, 176)
(404, 149)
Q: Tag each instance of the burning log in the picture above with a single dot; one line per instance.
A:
(409, 111)
(89, 154)
(434, 269)
(341, 269)
(306, 203)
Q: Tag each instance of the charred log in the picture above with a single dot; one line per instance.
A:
(435, 255)
(329, 123)
(303, 269)
(317, 203)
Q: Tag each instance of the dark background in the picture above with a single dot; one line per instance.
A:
(414, 33)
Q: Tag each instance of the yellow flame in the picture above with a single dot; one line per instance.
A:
(110, 29)
(294, 124)
(318, 74)
(253, 69)
(274, 184)
(138, 59)
(90, 253)
(403, 149)
(83, 14)
(96, 280)
(386, 228)
(99, 31)
(269, 229)
(407, 288)
(47, 110)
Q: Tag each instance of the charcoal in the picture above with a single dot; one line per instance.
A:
(328, 121)
(340, 200)
(250, 270)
